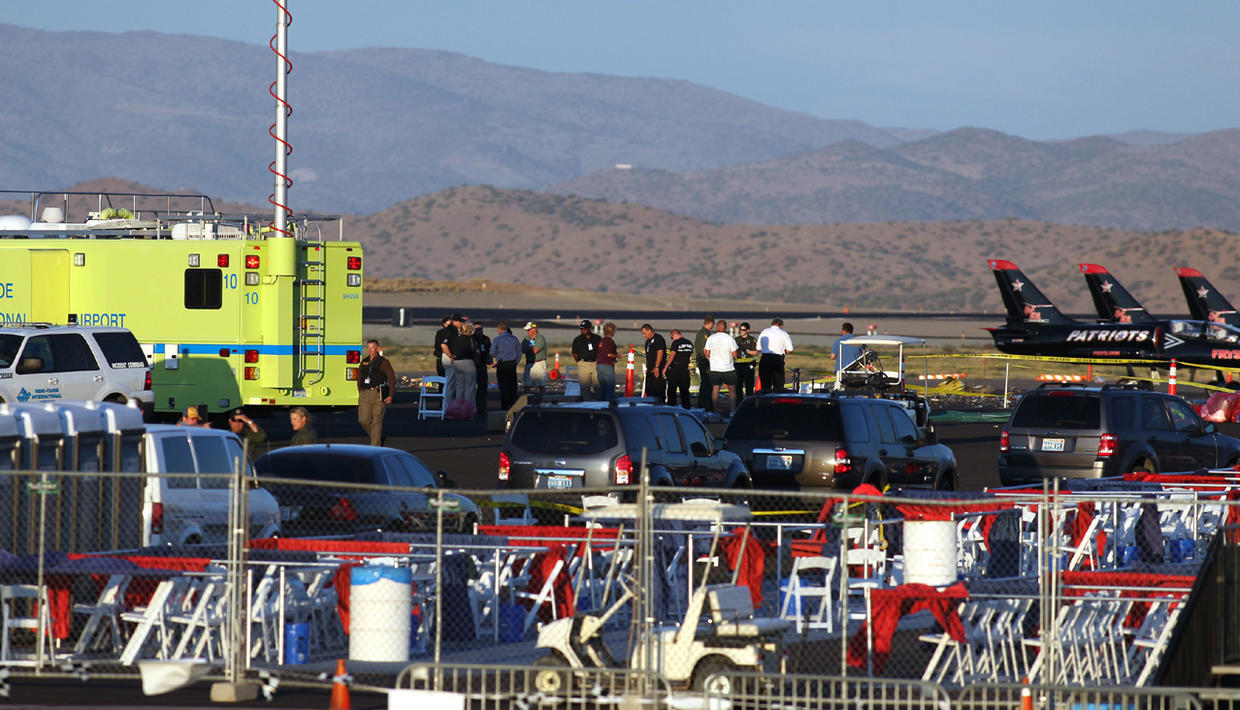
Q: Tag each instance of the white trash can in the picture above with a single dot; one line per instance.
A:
(930, 552)
(380, 603)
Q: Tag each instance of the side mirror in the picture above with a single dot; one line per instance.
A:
(699, 449)
(930, 437)
(29, 365)
(444, 480)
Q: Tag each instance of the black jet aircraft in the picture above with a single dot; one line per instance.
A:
(1034, 326)
(1204, 301)
(1112, 301)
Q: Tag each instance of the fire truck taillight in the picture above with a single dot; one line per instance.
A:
(251, 356)
(251, 261)
(353, 356)
(350, 374)
(353, 280)
(221, 260)
(251, 373)
(354, 263)
(251, 278)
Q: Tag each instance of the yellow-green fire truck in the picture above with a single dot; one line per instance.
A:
(228, 314)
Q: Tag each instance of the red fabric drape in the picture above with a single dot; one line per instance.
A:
(752, 564)
(887, 606)
(340, 580)
(562, 588)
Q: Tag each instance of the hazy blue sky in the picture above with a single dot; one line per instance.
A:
(1045, 69)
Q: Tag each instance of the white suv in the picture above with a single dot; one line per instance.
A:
(43, 362)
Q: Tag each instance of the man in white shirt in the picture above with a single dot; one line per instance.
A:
(720, 350)
(774, 343)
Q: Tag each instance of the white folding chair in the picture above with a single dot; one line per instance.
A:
(432, 393)
(12, 596)
(204, 622)
(508, 503)
(544, 595)
(104, 616)
(151, 619)
(808, 594)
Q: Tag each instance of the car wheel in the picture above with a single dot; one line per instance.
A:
(946, 482)
(1145, 466)
(552, 677)
(713, 675)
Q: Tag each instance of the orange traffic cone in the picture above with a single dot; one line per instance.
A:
(340, 689)
(757, 382)
(1026, 697)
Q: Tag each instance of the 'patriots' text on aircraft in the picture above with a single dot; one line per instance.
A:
(1034, 326)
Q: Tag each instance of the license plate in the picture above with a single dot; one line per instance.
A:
(1052, 444)
(779, 462)
(559, 482)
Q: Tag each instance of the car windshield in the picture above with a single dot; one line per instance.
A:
(319, 466)
(786, 418)
(1069, 411)
(8, 348)
(565, 432)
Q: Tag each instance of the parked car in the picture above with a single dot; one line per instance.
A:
(193, 509)
(380, 488)
(600, 444)
(1088, 431)
(42, 362)
(838, 440)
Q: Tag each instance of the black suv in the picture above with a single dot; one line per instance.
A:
(1075, 431)
(599, 445)
(838, 440)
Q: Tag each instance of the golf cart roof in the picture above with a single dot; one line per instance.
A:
(885, 340)
(709, 512)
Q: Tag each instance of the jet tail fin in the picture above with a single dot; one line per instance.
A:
(1204, 301)
(1024, 302)
(1112, 301)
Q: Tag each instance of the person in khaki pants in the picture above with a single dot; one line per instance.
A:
(375, 381)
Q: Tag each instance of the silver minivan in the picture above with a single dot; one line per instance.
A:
(190, 509)
(42, 362)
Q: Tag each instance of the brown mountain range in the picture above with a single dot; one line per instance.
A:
(571, 242)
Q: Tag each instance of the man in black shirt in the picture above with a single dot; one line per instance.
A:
(375, 382)
(482, 360)
(677, 369)
(656, 352)
(445, 341)
(443, 335)
(585, 352)
(703, 364)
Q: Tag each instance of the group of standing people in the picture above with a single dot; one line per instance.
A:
(463, 354)
(721, 359)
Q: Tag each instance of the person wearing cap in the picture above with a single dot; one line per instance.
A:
(445, 340)
(774, 343)
(535, 347)
(607, 364)
(746, 358)
(585, 353)
(251, 433)
(506, 352)
(703, 363)
(190, 418)
(376, 380)
(676, 371)
(482, 360)
(656, 353)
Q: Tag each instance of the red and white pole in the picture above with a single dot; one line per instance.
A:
(628, 374)
(1171, 378)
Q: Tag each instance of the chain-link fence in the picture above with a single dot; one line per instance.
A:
(733, 592)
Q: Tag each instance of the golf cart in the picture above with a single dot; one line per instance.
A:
(866, 374)
(718, 634)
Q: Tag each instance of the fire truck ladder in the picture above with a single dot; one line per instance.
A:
(310, 336)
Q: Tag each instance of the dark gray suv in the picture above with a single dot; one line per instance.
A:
(1074, 431)
(838, 440)
(599, 445)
